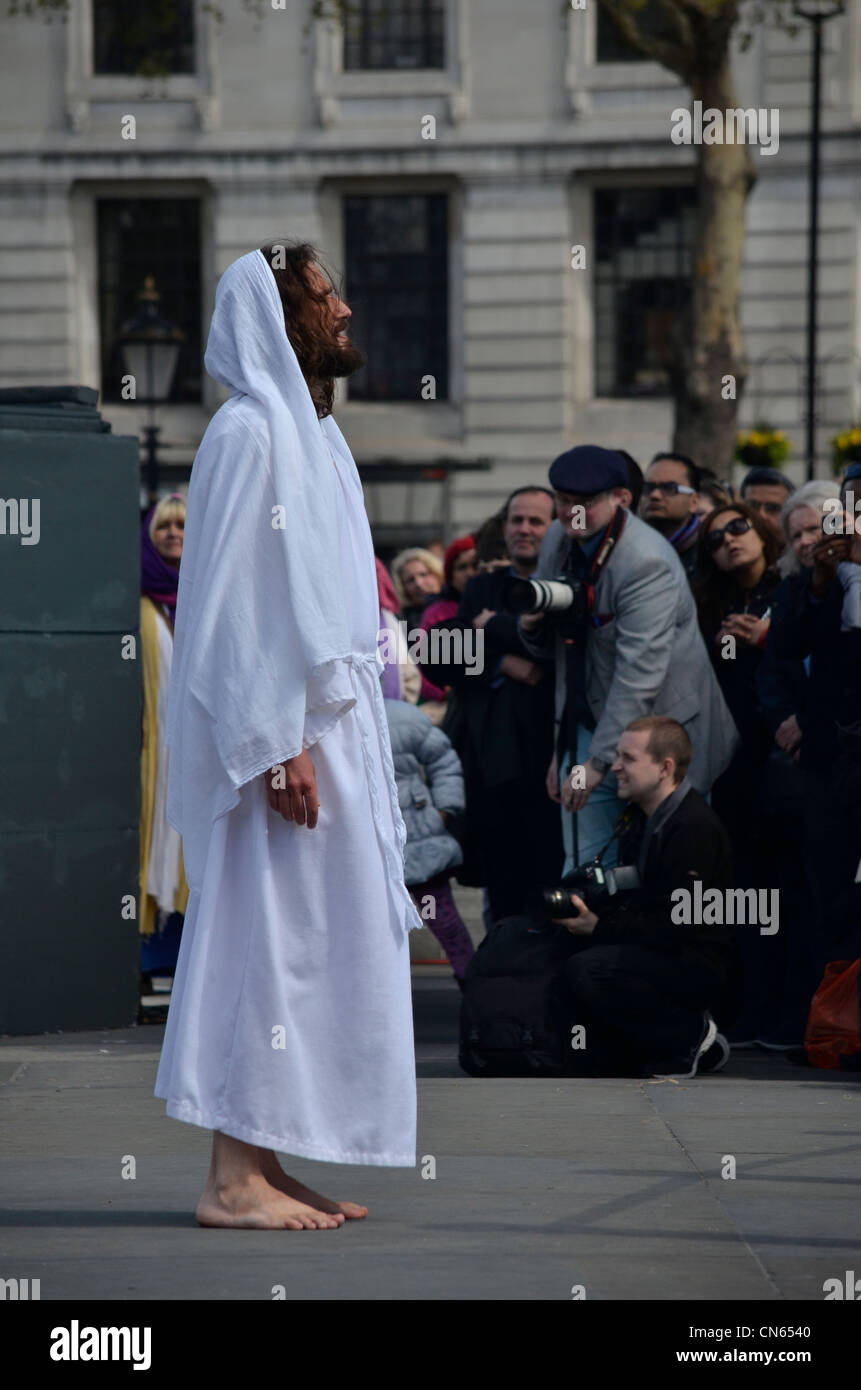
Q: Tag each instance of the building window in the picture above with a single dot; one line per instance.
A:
(394, 34)
(155, 39)
(610, 47)
(159, 237)
(397, 288)
(643, 258)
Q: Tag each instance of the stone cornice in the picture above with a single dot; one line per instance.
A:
(486, 161)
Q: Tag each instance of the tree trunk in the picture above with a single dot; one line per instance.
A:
(707, 347)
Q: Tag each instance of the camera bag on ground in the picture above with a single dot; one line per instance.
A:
(514, 1017)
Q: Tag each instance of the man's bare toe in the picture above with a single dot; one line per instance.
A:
(258, 1205)
(274, 1173)
(352, 1210)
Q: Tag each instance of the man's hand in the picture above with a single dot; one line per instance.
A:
(574, 797)
(744, 627)
(530, 621)
(788, 735)
(827, 555)
(291, 787)
(480, 619)
(520, 669)
(582, 925)
(552, 780)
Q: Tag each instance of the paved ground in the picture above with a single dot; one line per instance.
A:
(539, 1186)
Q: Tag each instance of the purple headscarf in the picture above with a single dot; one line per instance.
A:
(159, 580)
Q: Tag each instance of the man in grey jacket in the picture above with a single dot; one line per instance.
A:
(637, 650)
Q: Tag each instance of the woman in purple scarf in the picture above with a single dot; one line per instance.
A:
(163, 888)
(161, 551)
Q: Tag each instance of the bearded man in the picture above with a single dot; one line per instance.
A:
(290, 1026)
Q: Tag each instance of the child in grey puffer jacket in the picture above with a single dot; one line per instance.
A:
(430, 786)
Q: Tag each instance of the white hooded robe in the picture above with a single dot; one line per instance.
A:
(290, 1023)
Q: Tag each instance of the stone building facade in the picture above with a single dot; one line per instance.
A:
(446, 155)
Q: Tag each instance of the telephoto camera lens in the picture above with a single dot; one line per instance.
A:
(539, 595)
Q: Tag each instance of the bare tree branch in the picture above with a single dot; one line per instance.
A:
(675, 57)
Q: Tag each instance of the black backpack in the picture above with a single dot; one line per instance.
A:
(514, 1015)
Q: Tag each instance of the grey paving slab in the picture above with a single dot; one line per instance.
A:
(539, 1185)
(391, 1275)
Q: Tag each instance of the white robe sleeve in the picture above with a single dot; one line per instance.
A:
(242, 698)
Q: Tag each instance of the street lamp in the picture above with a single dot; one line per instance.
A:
(816, 12)
(150, 348)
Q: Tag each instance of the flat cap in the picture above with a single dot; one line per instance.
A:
(587, 469)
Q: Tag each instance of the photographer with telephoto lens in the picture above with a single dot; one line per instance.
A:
(622, 625)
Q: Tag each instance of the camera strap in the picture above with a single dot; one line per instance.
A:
(619, 829)
(574, 647)
(602, 555)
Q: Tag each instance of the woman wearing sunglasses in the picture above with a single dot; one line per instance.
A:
(737, 577)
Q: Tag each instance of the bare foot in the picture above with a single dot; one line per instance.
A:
(252, 1202)
(275, 1175)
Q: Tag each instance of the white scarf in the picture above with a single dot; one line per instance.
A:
(261, 630)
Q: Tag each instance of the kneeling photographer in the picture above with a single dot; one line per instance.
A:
(642, 986)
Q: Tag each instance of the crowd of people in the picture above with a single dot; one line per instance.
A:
(733, 615)
(715, 635)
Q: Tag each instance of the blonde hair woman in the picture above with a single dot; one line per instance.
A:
(417, 575)
(163, 888)
(801, 519)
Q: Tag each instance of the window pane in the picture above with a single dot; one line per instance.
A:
(159, 237)
(639, 289)
(397, 288)
(143, 39)
(394, 34)
(612, 48)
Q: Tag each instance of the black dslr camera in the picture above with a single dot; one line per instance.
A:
(563, 600)
(594, 884)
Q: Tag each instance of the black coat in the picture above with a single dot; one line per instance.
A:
(811, 628)
(737, 676)
(781, 682)
(501, 727)
(692, 844)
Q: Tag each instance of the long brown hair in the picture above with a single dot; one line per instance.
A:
(713, 589)
(289, 263)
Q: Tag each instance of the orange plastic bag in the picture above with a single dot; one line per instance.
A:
(832, 1024)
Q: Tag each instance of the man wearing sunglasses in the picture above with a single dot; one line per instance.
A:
(670, 504)
(636, 650)
(765, 490)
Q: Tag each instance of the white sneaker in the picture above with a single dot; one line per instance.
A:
(717, 1056)
(709, 1036)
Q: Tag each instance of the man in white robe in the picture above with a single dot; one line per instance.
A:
(290, 1025)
